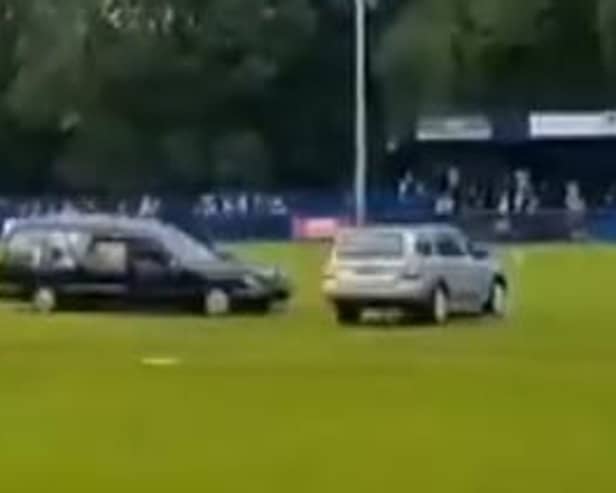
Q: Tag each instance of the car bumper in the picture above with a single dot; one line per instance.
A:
(403, 292)
(278, 294)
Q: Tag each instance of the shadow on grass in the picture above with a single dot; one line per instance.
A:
(416, 324)
(144, 310)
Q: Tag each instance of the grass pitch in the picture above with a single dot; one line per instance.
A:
(293, 403)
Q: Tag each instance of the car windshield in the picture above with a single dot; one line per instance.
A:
(185, 247)
(371, 244)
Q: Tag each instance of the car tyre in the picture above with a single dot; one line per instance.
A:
(216, 303)
(348, 313)
(44, 300)
(439, 306)
(497, 304)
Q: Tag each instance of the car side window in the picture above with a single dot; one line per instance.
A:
(450, 246)
(424, 247)
(78, 242)
(147, 255)
(108, 257)
(61, 249)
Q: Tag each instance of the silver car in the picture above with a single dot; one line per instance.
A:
(431, 270)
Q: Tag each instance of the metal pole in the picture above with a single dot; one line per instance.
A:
(361, 151)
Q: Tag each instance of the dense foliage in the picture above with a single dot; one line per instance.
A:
(126, 95)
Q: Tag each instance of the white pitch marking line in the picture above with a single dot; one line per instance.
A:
(161, 362)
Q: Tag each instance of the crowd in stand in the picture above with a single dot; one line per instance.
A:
(449, 194)
(514, 194)
(207, 205)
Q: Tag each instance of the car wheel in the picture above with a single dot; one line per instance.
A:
(44, 300)
(497, 304)
(217, 303)
(348, 313)
(439, 307)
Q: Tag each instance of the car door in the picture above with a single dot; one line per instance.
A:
(152, 275)
(58, 265)
(455, 265)
(474, 273)
(425, 253)
(483, 271)
(156, 277)
(104, 270)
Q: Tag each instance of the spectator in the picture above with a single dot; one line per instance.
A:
(444, 206)
(453, 178)
(145, 207)
(36, 209)
(68, 208)
(122, 208)
(454, 187)
(228, 207)
(609, 199)
(576, 207)
(574, 201)
(87, 205)
(475, 197)
(257, 203)
(278, 207)
(405, 186)
(543, 193)
(533, 205)
(504, 206)
(207, 206)
(242, 204)
(523, 191)
(149, 206)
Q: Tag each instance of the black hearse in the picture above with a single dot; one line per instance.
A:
(52, 261)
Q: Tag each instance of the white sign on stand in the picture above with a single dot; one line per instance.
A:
(582, 124)
(454, 128)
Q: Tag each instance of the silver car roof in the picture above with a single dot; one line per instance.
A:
(412, 230)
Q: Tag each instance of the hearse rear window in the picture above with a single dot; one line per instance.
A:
(25, 248)
(32, 247)
(371, 244)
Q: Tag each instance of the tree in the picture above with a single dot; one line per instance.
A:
(164, 73)
(191, 94)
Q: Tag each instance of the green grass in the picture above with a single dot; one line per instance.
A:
(293, 403)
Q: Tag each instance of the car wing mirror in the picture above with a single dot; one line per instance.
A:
(479, 252)
(225, 255)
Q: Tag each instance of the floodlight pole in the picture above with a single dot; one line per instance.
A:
(361, 144)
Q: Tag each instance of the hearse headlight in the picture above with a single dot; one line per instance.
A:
(271, 273)
(252, 282)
